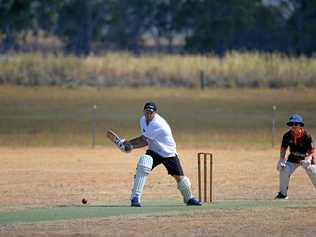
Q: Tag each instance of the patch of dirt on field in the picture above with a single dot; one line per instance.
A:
(46, 177)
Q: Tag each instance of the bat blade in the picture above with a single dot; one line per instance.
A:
(113, 137)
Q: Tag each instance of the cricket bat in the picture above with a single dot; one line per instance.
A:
(112, 136)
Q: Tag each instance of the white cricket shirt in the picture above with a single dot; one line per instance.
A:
(159, 136)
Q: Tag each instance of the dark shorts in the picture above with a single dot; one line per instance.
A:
(172, 164)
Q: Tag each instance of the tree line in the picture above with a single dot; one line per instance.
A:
(188, 26)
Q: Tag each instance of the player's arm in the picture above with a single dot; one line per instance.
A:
(309, 159)
(284, 145)
(310, 154)
(124, 145)
(282, 153)
(282, 161)
(137, 142)
(311, 149)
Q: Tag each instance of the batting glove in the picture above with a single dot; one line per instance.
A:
(127, 147)
(120, 144)
(124, 146)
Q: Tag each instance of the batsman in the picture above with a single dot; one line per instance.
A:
(301, 154)
(156, 134)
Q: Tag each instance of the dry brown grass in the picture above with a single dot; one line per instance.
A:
(46, 177)
(235, 69)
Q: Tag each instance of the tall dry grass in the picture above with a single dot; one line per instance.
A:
(235, 69)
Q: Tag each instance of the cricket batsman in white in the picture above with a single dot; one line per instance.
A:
(157, 135)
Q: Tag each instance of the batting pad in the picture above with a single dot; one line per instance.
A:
(184, 187)
(143, 169)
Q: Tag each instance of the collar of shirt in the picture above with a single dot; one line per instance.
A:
(297, 135)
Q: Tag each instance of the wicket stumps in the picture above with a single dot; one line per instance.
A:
(204, 159)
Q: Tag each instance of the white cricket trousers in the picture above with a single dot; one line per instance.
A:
(286, 172)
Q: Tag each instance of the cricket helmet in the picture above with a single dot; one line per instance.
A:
(150, 106)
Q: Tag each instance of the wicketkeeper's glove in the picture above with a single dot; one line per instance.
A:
(307, 163)
(281, 164)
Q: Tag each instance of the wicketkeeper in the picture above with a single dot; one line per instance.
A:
(301, 154)
(156, 133)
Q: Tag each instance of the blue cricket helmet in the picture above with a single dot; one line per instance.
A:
(295, 118)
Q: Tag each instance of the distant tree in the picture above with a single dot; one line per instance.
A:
(16, 16)
(130, 19)
(269, 32)
(79, 23)
(206, 26)
(302, 26)
(216, 24)
(166, 20)
(46, 14)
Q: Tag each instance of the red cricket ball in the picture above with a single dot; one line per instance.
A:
(84, 201)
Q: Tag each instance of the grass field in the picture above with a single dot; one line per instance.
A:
(48, 166)
(42, 188)
(217, 117)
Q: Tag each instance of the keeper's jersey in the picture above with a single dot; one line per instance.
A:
(299, 146)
